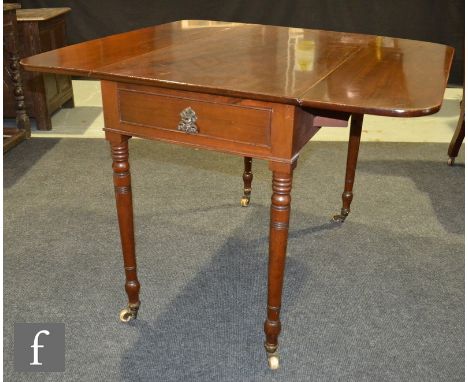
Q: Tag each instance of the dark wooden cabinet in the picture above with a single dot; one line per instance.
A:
(40, 30)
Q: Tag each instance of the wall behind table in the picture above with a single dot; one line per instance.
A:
(438, 21)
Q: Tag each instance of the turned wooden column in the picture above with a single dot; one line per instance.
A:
(11, 51)
(123, 198)
(279, 224)
(247, 177)
(353, 151)
(12, 81)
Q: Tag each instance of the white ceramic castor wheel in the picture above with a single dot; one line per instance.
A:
(126, 314)
(273, 361)
(245, 201)
(450, 161)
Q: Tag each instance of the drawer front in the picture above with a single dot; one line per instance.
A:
(215, 117)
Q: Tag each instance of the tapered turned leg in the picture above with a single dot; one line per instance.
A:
(247, 177)
(458, 136)
(279, 223)
(123, 198)
(353, 150)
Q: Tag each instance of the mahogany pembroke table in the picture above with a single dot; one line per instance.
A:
(252, 90)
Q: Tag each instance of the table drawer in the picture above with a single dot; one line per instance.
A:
(201, 115)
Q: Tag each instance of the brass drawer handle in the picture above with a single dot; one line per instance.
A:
(188, 117)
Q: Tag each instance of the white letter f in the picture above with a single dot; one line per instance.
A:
(36, 347)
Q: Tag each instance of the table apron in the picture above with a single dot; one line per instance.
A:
(271, 131)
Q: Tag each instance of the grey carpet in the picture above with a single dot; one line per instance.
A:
(379, 298)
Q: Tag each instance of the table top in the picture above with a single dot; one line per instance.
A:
(311, 68)
(40, 14)
(11, 6)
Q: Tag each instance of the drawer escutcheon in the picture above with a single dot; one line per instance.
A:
(188, 117)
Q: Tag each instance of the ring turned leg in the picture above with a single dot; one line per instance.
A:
(247, 177)
(279, 223)
(353, 150)
(123, 198)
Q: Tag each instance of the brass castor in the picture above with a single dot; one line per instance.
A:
(273, 361)
(451, 161)
(245, 201)
(341, 217)
(128, 313)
